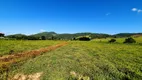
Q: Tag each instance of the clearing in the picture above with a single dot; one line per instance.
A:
(85, 61)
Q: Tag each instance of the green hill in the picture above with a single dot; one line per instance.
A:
(67, 36)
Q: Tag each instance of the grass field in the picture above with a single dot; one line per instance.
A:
(84, 61)
(17, 46)
(118, 40)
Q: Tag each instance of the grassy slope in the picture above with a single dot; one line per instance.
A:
(139, 39)
(99, 61)
(16, 46)
(119, 40)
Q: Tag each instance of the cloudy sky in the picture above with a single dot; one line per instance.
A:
(70, 16)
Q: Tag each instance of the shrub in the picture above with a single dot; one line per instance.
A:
(11, 51)
(129, 40)
(112, 40)
(84, 38)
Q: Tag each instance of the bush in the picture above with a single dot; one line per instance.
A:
(84, 38)
(112, 40)
(129, 40)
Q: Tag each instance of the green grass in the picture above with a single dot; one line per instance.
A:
(87, 60)
(118, 40)
(17, 46)
(139, 39)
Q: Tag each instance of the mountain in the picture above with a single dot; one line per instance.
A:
(67, 36)
(17, 36)
(127, 34)
(46, 34)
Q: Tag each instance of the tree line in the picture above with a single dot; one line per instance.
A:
(75, 36)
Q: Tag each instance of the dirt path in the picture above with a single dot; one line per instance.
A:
(5, 61)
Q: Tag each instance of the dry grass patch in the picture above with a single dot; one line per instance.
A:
(20, 76)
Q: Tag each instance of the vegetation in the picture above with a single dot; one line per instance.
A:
(43, 38)
(83, 38)
(1, 35)
(17, 46)
(78, 60)
(55, 36)
(129, 40)
(119, 40)
(126, 34)
(112, 40)
(86, 61)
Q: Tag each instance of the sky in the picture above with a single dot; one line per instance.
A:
(70, 16)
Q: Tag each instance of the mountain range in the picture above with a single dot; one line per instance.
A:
(54, 35)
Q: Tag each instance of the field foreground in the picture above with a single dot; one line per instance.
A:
(83, 61)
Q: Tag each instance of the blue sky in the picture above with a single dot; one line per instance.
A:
(70, 16)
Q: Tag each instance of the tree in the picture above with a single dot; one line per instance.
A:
(43, 38)
(18, 36)
(31, 37)
(129, 40)
(1, 35)
(112, 40)
(74, 39)
(84, 38)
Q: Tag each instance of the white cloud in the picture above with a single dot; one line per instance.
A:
(139, 10)
(134, 9)
(108, 14)
(42, 30)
